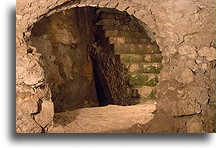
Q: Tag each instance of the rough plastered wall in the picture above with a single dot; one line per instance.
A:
(185, 32)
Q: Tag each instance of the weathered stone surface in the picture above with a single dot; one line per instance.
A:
(86, 120)
(145, 91)
(113, 75)
(194, 125)
(207, 52)
(24, 120)
(46, 114)
(173, 24)
(188, 51)
(66, 64)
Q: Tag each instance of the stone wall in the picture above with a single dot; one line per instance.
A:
(132, 46)
(185, 33)
(61, 39)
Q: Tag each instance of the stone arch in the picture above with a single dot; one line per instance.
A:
(125, 60)
(145, 15)
(174, 43)
(25, 22)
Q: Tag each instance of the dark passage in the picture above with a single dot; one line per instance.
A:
(103, 94)
(78, 77)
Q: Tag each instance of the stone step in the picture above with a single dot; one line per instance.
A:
(129, 34)
(143, 79)
(127, 27)
(146, 92)
(109, 15)
(136, 49)
(117, 36)
(127, 40)
(137, 58)
(135, 68)
(112, 21)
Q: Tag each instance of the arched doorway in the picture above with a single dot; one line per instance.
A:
(96, 56)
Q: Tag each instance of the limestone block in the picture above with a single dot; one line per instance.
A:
(209, 53)
(171, 51)
(34, 76)
(143, 80)
(112, 4)
(133, 67)
(145, 91)
(103, 3)
(28, 105)
(25, 124)
(24, 121)
(131, 58)
(21, 71)
(131, 10)
(194, 125)
(182, 74)
(188, 51)
(191, 65)
(184, 107)
(46, 114)
(204, 66)
(123, 6)
(187, 75)
(118, 40)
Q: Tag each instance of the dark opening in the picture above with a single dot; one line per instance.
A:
(103, 93)
(80, 79)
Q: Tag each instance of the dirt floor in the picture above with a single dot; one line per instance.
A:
(108, 119)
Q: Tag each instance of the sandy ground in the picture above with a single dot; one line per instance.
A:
(108, 119)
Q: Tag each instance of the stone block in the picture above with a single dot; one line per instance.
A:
(145, 91)
(136, 49)
(116, 40)
(188, 51)
(108, 22)
(186, 75)
(123, 6)
(136, 80)
(119, 27)
(126, 40)
(194, 125)
(209, 53)
(145, 68)
(133, 68)
(138, 58)
(131, 58)
(120, 40)
(152, 58)
(112, 33)
(150, 68)
(45, 116)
